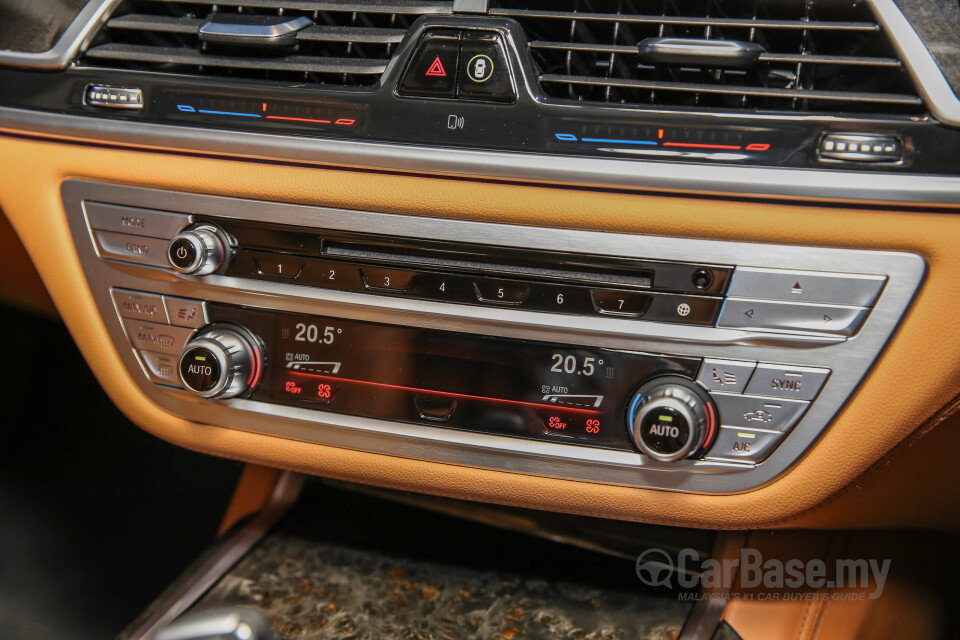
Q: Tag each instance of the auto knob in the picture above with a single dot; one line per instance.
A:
(199, 250)
(221, 361)
(671, 418)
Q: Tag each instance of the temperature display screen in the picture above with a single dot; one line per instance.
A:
(456, 380)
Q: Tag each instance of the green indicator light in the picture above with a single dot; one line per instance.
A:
(200, 358)
(666, 418)
(746, 435)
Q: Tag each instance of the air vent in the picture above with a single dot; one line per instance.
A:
(779, 55)
(344, 43)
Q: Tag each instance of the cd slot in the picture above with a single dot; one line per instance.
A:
(569, 271)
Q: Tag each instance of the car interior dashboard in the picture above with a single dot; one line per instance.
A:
(683, 267)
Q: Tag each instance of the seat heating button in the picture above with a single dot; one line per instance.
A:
(186, 313)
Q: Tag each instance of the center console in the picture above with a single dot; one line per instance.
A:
(673, 363)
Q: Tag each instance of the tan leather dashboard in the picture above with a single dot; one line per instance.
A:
(894, 438)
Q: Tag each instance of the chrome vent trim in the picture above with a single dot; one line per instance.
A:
(819, 55)
(349, 43)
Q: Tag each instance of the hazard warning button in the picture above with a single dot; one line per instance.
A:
(433, 69)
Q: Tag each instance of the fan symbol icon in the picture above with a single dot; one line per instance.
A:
(655, 568)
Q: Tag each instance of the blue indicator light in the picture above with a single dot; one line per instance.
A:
(566, 136)
(187, 108)
(614, 141)
(230, 113)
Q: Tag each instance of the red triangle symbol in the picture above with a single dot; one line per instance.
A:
(436, 69)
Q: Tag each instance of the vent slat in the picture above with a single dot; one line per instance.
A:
(808, 94)
(164, 55)
(418, 7)
(827, 56)
(764, 57)
(349, 43)
(688, 20)
(163, 24)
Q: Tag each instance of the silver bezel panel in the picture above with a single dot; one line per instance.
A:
(849, 359)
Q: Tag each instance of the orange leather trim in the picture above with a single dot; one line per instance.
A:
(919, 373)
(253, 491)
(20, 284)
(909, 605)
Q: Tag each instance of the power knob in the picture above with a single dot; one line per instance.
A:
(221, 361)
(671, 418)
(199, 250)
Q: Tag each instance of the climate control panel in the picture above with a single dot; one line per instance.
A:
(671, 363)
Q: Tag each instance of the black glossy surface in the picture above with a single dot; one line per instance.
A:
(522, 388)
(530, 124)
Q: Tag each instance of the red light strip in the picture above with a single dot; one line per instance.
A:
(700, 146)
(298, 119)
(552, 407)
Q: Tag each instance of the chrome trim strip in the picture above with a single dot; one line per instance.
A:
(75, 38)
(218, 561)
(929, 80)
(848, 359)
(796, 184)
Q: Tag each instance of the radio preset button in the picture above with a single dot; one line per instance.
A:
(800, 383)
(498, 292)
(139, 306)
(186, 313)
(740, 444)
(725, 375)
(771, 414)
(784, 316)
(161, 368)
(628, 304)
(393, 280)
(806, 286)
(150, 336)
(279, 266)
